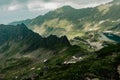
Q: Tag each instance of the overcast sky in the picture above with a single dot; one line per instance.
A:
(15, 10)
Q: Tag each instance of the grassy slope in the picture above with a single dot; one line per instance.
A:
(102, 65)
(74, 22)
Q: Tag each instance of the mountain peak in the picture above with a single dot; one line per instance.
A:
(22, 25)
(64, 8)
(67, 7)
(20, 33)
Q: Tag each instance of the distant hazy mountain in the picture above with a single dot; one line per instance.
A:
(73, 22)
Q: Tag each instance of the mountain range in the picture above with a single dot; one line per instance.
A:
(21, 48)
(78, 22)
(63, 44)
(75, 22)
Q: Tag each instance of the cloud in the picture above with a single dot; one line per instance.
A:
(53, 4)
(4, 2)
(37, 5)
(41, 5)
(13, 7)
(11, 10)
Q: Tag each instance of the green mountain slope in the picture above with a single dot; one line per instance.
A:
(22, 51)
(100, 65)
(93, 55)
(74, 22)
(18, 41)
(104, 65)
